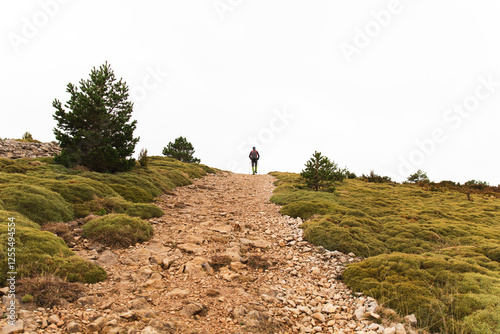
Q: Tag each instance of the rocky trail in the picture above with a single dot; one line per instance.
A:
(222, 260)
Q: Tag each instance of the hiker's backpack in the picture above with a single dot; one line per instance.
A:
(254, 154)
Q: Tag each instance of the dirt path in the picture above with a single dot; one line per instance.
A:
(222, 260)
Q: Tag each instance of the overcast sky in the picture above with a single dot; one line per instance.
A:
(392, 86)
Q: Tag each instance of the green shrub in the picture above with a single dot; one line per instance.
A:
(375, 178)
(118, 230)
(27, 136)
(143, 158)
(144, 211)
(305, 209)
(41, 252)
(36, 203)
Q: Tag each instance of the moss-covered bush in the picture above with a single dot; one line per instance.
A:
(118, 230)
(41, 252)
(36, 203)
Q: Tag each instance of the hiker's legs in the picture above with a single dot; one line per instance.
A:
(254, 166)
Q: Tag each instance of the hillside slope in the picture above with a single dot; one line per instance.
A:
(221, 260)
(429, 251)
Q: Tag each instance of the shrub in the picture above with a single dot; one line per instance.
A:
(118, 230)
(27, 136)
(375, 178)
(144, 211)
(41, 252)
(36, 203)
(96, 132)
(305, 209)
(181, 150)
(477, 184)
(143, 158)
(47, 291)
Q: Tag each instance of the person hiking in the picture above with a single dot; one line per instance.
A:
(254, 156)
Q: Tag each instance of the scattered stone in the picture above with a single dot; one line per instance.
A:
(73, 327)
(411, 320)
(179, 293)
(191, 248)
(257, 243)
(192, 309)
(54, 319)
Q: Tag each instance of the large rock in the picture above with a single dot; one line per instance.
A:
(107, 258)
(197, 267)
(140, 256)
(18, 327)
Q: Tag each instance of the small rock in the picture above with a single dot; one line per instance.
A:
(178, 293)
(166, 263)
(54, 319)
(304, 309)
(389, 330)
(149, 330)
(319, 316)
(329, 308)
(129, 315)
(257, 243)
(400, 329)
(315, 271)
(85, 301)
(360, 313)
(73, 327)
(191, 248)
(192, 309)
(411, 320)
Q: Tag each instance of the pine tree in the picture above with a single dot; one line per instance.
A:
(418, 177)
(181, 150)
(95, 131)
(320, 173)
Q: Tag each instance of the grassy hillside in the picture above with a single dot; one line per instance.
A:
(37, 191)
(428, 251)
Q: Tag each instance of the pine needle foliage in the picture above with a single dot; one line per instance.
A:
(181, 150)
(95, 130)
(320, 173)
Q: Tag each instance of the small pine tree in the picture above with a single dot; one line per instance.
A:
(95, 131)
(417, 177)
(143, 157)
(181, 150)
(27, 136)
(320, 173)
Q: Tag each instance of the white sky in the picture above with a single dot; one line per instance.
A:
(361, 81)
